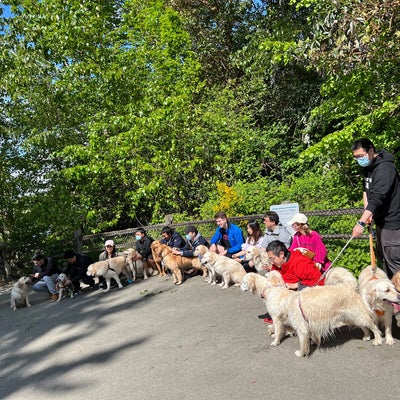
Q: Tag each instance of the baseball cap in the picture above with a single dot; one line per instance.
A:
(299, 218)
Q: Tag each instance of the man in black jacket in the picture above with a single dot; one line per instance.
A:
(381, 201)
(172, 238)
(143, 249)
(44, 275)
(194, 239)
(76, 268)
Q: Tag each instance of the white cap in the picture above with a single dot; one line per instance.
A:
(299, 218)
(109, 243)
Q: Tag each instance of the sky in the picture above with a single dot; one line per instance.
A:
(6, 10)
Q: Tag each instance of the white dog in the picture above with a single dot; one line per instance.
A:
(19, 293)
(381, 296)
(229, 269)
(64, 284)
(137, 266)
(340, 276)
(260, 259)
(110, 268)
(314, 313)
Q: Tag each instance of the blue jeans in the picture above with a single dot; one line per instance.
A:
(46, 284)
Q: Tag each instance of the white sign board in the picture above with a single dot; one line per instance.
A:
(286, 212)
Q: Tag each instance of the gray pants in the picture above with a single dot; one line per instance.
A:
(46, 284)
(388, 248)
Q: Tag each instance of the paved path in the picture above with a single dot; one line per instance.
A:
(153, 340)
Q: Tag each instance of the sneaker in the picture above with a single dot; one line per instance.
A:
(53, 297)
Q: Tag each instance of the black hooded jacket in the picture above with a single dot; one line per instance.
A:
(382, 186)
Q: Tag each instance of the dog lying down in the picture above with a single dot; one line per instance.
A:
(64, 286)
(110, 269)
(19, 293)
(381, 296)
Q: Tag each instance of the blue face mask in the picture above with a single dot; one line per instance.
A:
(363, 161)
(188, 237)
(138, 237)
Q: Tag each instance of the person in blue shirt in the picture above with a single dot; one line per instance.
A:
(228, 238)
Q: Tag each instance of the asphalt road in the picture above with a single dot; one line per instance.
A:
(153, 340)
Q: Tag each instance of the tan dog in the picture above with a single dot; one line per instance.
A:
(137, 266)
(396, 281)
(156, 251)
(256, 283)
(19, 293)
(381, 296)
(260, 259)
(340, 276)
(199, 252)
(110, 269)
(314, 313)
(229, 269)
(177, 263)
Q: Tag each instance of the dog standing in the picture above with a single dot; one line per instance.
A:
(110, 268)
(137, 266)
(19, 293)
(64, 285)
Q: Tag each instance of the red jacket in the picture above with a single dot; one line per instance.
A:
(300, 269)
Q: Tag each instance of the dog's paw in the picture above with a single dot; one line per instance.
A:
(275, 343)
(390, 341)
(377, 342)
(366, 338)
(298, 353)
(29, 305)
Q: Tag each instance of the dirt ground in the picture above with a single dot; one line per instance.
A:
(153, 340)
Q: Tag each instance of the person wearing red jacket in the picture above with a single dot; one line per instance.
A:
(297, 270)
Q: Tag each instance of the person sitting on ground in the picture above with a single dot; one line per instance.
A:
(76, 269)
(275, 230)
(254, 238)
(110, 251)
(172, 238)
(297, 270)
(305, 238)
(143, 248)
(45, 273)
(228, 238)
(194, 239)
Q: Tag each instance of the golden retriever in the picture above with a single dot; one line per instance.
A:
(110, 268)
(256, 283)
(228, 269)
(19, 293)
(260, 259)
(137, 267)
(314, 313)
(155, 250)
(381, 296)
(177, 263)
(340, 276)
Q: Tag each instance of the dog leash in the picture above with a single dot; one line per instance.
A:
(333, 262)
(371, 250)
